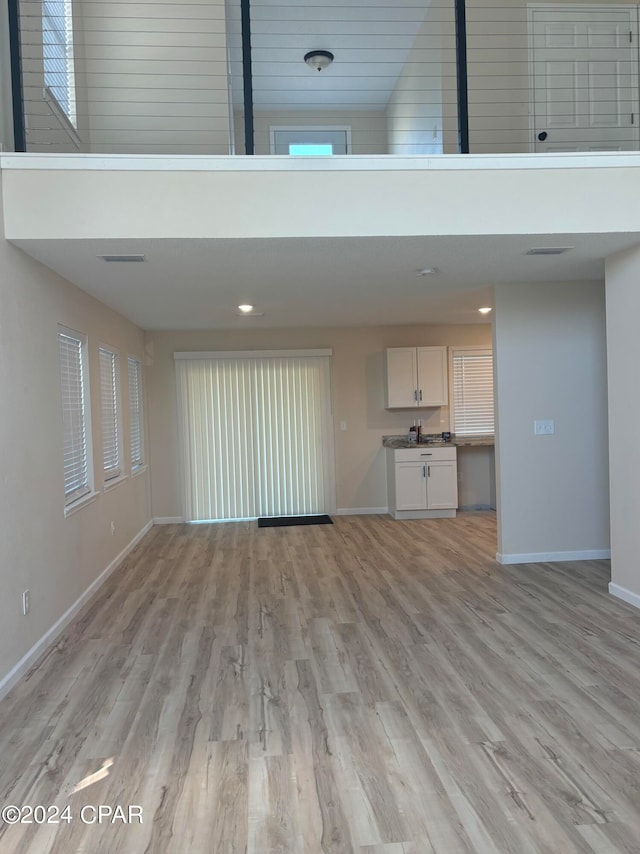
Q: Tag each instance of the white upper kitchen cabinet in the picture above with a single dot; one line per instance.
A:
(416, 377)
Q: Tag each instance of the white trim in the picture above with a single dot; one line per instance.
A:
(361, 511)
(169, 520)
(114, 481)
(335, 163)
(28, 660)
(254, 354)
(555, 557)
(79, 503)
(139, 470)
(626, 595)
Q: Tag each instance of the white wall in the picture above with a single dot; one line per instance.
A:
(499, 75)
(56, 558)
(422, 113)
(358, 399)
(623, 355)
(550, 363)
(157, 79)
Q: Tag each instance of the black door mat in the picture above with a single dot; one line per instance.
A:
(282, 521)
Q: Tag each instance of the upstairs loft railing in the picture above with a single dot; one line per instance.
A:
(413, 78)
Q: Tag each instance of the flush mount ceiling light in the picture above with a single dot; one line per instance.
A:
(246, 310)
(485, 309)
(548, 250)
(319, 59)
(122, 259)
(427, 271)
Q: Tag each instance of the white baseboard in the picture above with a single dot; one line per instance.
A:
(26, 662)
(168, 520)
(626, 595)
(360, 511)
(548, 557)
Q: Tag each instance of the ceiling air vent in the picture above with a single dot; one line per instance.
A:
(122, 259)
(548, 250)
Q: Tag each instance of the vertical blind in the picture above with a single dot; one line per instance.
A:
(472, 392)
(73, 390)
(256, 436)
(135, 412)
(109, 393)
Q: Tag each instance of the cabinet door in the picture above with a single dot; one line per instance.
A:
(432, 376)
(402, 377)
(442, 485)
(411, 486)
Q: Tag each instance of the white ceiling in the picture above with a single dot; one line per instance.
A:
(370, 42)
(197, 284)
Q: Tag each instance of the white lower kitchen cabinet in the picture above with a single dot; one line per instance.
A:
(422, 482)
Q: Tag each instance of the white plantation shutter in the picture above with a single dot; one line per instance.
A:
(57, 50)
(71, 346)
(472, 392)
(135, 412)
(110, 407)
(256, 436)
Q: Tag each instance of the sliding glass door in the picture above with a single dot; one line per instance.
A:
(256, 434)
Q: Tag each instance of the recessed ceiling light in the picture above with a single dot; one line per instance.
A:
(123, 259)
(427, 271)
(548, 250)
(484, 310)
(245, 308)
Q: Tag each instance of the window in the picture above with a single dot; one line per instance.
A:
(57, 45)
(110, 406)
(136, 423)
(472, 371)
(312, 140)
(74, 388)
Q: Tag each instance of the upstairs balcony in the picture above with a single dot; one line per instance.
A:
(408, 78)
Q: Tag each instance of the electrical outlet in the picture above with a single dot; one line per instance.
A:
(113, 528)
(26, 602)
(544, 428)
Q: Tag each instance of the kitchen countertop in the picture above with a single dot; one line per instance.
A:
(435, 441)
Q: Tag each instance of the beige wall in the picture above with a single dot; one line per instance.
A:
(550, 362)
(57, 558)
(623, 354)
(368, 128)
(358, 399)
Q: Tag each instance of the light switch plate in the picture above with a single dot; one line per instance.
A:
(544, 428)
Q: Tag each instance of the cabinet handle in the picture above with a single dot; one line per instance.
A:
(426, 455)
(415, 394)
(424, 471)
(428, 471)
(420, 394)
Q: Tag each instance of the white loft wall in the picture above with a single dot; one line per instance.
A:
(368, 128)
(56, 558)
(157, 77)
(499, 77)
(421, 113)
(623, 355)
(358, 392)
(550, 362)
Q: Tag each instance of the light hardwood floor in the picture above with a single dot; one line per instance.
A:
(373, 686)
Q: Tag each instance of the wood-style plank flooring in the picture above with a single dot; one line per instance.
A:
(374, 686)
